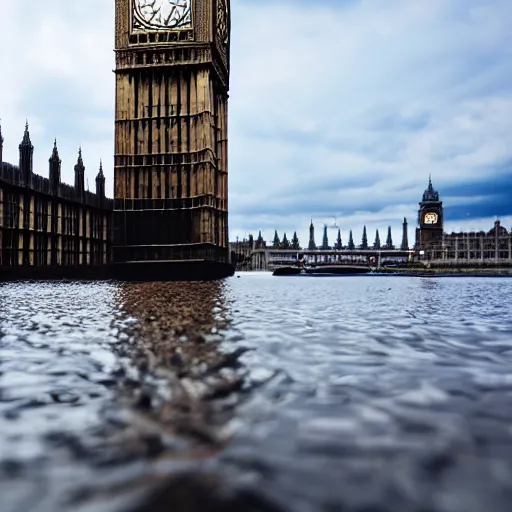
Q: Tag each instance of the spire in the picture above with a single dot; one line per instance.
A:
(351, 246)
(286, 243)
(295, 241)
(312, 244)
(260, 241)
(364, 241)
(79, 176)
(26, 136)
(277, 242)
(100, 174)
(26, 156)
(55, 152)
(325, 240)
(100, 182)
(79, 167)
(338, 241)
(430, 194)
(55, 166)
(376, 244)
(389, 240)
(405, 241)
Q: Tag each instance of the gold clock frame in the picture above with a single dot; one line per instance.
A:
(429, 213)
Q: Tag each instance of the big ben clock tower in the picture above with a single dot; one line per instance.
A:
(430, 219)
(171, 158)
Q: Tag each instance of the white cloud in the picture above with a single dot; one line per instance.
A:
(59, 77)
(381, 92)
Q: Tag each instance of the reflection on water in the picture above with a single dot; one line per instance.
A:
(98, 381)
(172, 333)
(257, 394)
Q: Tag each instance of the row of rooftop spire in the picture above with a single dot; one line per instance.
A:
(294, 243)
(26, 166)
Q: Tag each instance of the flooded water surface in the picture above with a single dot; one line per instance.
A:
(365, 393)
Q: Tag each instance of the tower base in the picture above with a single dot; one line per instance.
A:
(56, 273)
(188, 270)
(185, 270)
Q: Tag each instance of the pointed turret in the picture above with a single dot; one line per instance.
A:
(26, 157)
(260, 242)
(325, 239)
(376, 244)
(295, 241)
(55, 168)
(277, 242)
(80, 176)
(100, 183)
(389, 240)
(312, 244)
(405, 239)
(339, 245)
(351, 246)
(364, 241)
(285, 243)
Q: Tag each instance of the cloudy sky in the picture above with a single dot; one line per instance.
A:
(339, 109)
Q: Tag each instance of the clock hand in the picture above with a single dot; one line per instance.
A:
(173, 10)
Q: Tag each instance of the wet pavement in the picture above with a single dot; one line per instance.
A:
(257, 393)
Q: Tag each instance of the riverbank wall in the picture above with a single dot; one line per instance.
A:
(451, 269)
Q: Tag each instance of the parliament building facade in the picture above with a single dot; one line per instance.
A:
(433, 244)
(46, 223)
(169, 215)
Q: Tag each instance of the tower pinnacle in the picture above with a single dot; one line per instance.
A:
(55, 166)
(26, 150)
(100, 182)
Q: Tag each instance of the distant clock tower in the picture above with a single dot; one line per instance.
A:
(430, 219)
(171, 132)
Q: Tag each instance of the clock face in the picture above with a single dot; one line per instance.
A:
(162, 14)
(430, 218)
(223, 21)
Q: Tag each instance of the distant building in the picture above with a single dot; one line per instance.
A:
(312, 244)
(432, 243)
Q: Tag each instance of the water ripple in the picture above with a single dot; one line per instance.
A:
(335, 394)
(397, 398)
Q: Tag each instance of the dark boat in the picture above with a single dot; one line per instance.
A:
(287, 271)
(324, 270)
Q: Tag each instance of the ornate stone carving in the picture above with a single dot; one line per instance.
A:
(223, 22)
